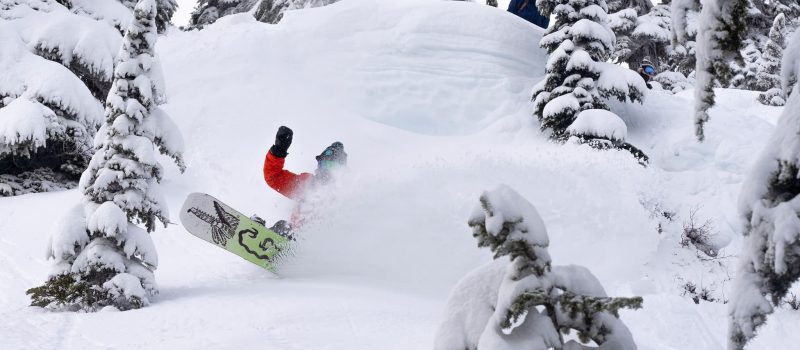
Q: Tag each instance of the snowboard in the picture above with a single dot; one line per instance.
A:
(215, 222)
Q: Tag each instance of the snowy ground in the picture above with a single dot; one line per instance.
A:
(431, 101)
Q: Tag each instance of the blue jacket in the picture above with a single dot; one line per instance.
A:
(530, 13)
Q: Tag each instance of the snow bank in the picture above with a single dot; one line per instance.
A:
(414, 65)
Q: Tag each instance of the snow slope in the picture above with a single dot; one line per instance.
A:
(431, 100)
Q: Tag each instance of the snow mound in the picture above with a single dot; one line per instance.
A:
(599, 123)
(413, 64)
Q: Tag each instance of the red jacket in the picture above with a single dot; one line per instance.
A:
(285, 182)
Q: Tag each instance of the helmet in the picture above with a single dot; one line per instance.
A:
(647, 67)
(333, 156)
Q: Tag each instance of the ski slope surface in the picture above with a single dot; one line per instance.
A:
(432, 102)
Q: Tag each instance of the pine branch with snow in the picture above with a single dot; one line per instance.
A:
(769, 205)
(50, 115)
(48, 106)
(98, 248)
(602, 129)
(719, 39)
(684, 14)
(567, 303)
(682, 49)
(505, 308)
(772, 97)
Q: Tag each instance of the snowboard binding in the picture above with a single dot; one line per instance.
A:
(284, 229)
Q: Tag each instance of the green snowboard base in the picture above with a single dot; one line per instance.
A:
(215, 222)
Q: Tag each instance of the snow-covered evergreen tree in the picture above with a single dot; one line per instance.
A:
(208, 11)
(267, 11)
(769, 205)
(271, 11)
(760, 19)
(764, 12)
(719, 39)
(640, 6)
(746, 72)
(770, 259)
(47, 120)
(757, 14)
(577, 75)
(642, 30)
(81, 35)
(534, 302)
(684, 34)
(102, 258)
(684, 15)
(166, 8)
(56, 66)
(769, 66)
(622, 23)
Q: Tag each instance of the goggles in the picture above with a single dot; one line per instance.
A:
(327, 164)
(649, 70)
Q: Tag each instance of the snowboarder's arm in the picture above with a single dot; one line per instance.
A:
(285, 182)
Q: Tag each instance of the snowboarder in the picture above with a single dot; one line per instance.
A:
(647, 72)
(293, 185)
(528, 11)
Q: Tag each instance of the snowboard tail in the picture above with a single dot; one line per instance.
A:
(215, 222)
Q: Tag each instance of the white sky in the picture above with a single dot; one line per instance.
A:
(181, 16)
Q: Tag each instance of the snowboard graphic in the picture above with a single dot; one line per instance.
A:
(215, 222)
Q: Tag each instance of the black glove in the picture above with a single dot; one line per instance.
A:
(283, 139)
